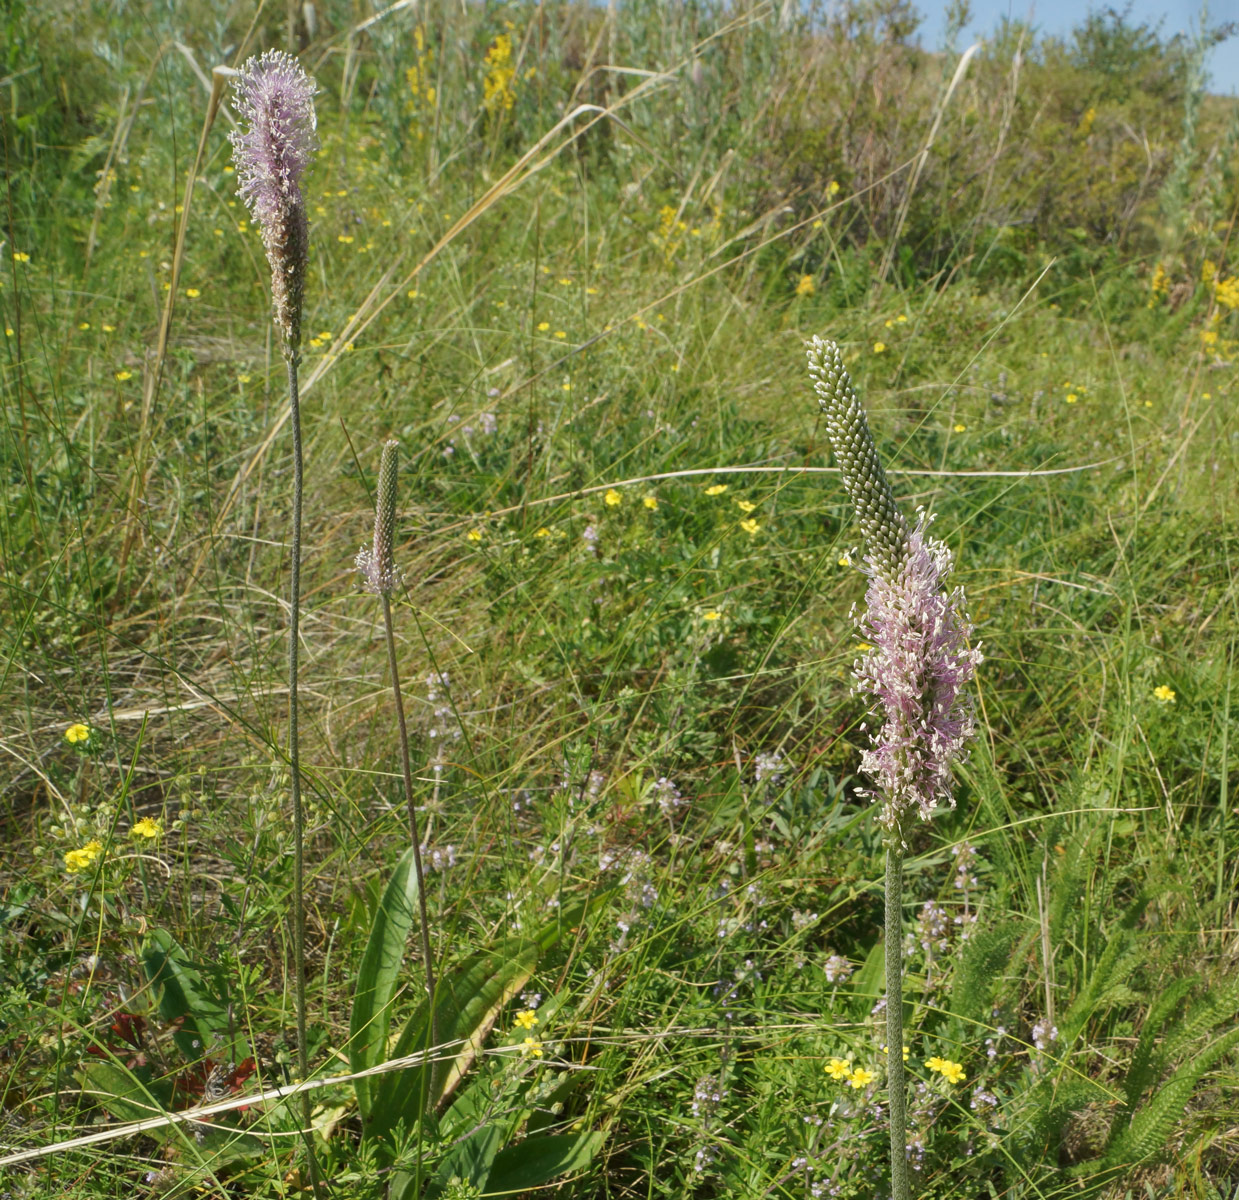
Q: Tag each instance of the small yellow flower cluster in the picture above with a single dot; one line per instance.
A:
(952, 1072)
(1159, 285)
(750, 526)
(497, 90)
(419, 78)
(842, 1071)
(671, 230)
(613, 498)
(879, 347)
(531, 1047)
(1163, 694)
(1227, 292)
(651, 502)
(716, 489)
(83, 859)
(806, 286)
(76, 734)
(527, 1018)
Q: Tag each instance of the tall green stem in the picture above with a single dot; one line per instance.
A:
(896, 1075)
(407, 768)
(292, 359)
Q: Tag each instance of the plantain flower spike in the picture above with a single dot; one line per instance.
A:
(377, 565)
(919, 661)
(882, 524)
(274, 98)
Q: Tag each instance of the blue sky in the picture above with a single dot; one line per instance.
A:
(1060, 16)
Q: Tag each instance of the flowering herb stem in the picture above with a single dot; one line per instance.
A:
(430, 1079)
(896, 1073)
(292, 359)
(914, 671)
(272, 148)
(381, 576)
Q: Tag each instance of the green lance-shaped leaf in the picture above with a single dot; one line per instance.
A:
(882, 524)
(379, 975)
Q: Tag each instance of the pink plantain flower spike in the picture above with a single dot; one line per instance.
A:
(274, 98)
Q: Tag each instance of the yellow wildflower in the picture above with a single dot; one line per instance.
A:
(745, 506)
(542, 532)
(935, 1063)
(859, 1078)
(750, 526)
(84, 325)
(1071, 397)
(346, 238)
(712, 615)
(1162, 693)
(543, 326)
(806, 286)
(20, 256)
(879, 347)
(497, 91)
(953, 1072)
(960, 428)
(839, 1068)
(613, 498)
(1227, 292)
(560, 333)
(148, 827)
(77, 733)
(123, 375)
(845, 560)
(192, 293)
(886, 1048)
(716, 489)
(832, 188)
(474, 535)
(80, 860)
(527, 1018)
(564, 280)
(531, 1047)
(651, 502)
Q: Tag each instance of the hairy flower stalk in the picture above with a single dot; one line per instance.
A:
(381, 576)
(274, 99)
(915, 672)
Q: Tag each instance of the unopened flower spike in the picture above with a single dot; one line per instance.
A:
(882, 524)
(274, 98)
(377, 565)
